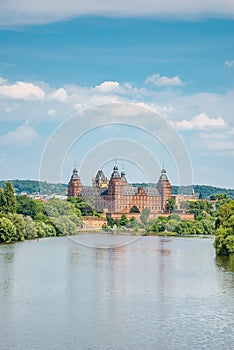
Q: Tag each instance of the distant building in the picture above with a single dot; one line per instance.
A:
(180, 199)
(118, 196)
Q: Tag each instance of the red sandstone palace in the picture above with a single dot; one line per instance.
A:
(118, 196)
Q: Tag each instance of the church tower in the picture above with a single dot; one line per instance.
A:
(74, 185)
(164, 188)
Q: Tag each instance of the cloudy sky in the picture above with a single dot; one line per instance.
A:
(172, 57)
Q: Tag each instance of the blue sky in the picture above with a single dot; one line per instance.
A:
(176, 61)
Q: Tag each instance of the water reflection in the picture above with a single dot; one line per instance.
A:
(226, 262)
(154, 294)
(7, 255)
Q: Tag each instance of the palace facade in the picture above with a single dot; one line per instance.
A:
(116, 195)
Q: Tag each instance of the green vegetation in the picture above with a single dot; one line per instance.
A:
(145, 216)
(134, 209)
(203, 191)
(31, 187)
(224, 241)
(121, 224)
(7, 198)
(170, 206)
(204, 223)
(24, 218)
(44, 188)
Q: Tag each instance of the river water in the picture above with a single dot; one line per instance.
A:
(100, 291)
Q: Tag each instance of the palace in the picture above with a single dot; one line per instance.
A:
(118, 196)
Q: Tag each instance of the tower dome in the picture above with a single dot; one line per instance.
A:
(75, 175)
(115, 173)
(75, 185)
(163, 175)
(123, 176)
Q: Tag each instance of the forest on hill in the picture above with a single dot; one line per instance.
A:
(44, 188)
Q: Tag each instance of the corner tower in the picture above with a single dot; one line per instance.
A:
(115, 190)
(74, 185)
(164, 188)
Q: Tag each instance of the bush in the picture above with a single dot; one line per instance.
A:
(7, 230)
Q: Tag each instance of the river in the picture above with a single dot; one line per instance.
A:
(100, 291)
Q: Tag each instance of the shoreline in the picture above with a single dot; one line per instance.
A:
(117, 233)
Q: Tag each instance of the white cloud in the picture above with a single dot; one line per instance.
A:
(200, 122)
(34, 11)
(159, 81)
(51, 112)
(229, 64)
(107, 86)
(22, 90)
(2, 81)
(227, 145)
(21, 136)
(59, 95)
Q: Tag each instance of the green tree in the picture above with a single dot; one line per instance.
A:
(124, 220)
(111, 222)
(132, 223)
(18, 222)
(170, 204)
(145, 215)
(158, 225)
(64, 226)
(7, 198)
(224, 240)
(134, 209)
(45, 230)
(85, 208)
(7, 230)
(30, 228)
(197, 207)
(29, 207)
(186, 227)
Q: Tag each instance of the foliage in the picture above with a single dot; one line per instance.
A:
(64, 216)
(42, 187)
(224, 240)
(85, 208)
(18, 222)
(111, 222)
(29, 207)
(199, 206)
(219, 196)
(145, 215)
(170, 204)
(205, 190)
(158, 225)
(64, 226)
(122, 223)
(31, 230)
(55, 207)
(134, 209)
(35, 218)
(173, 223)
(7, 230)
(7, 198)
(45, 230)
(32, 187)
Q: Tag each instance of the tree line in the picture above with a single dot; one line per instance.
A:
(31, 186)
(24, 218)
